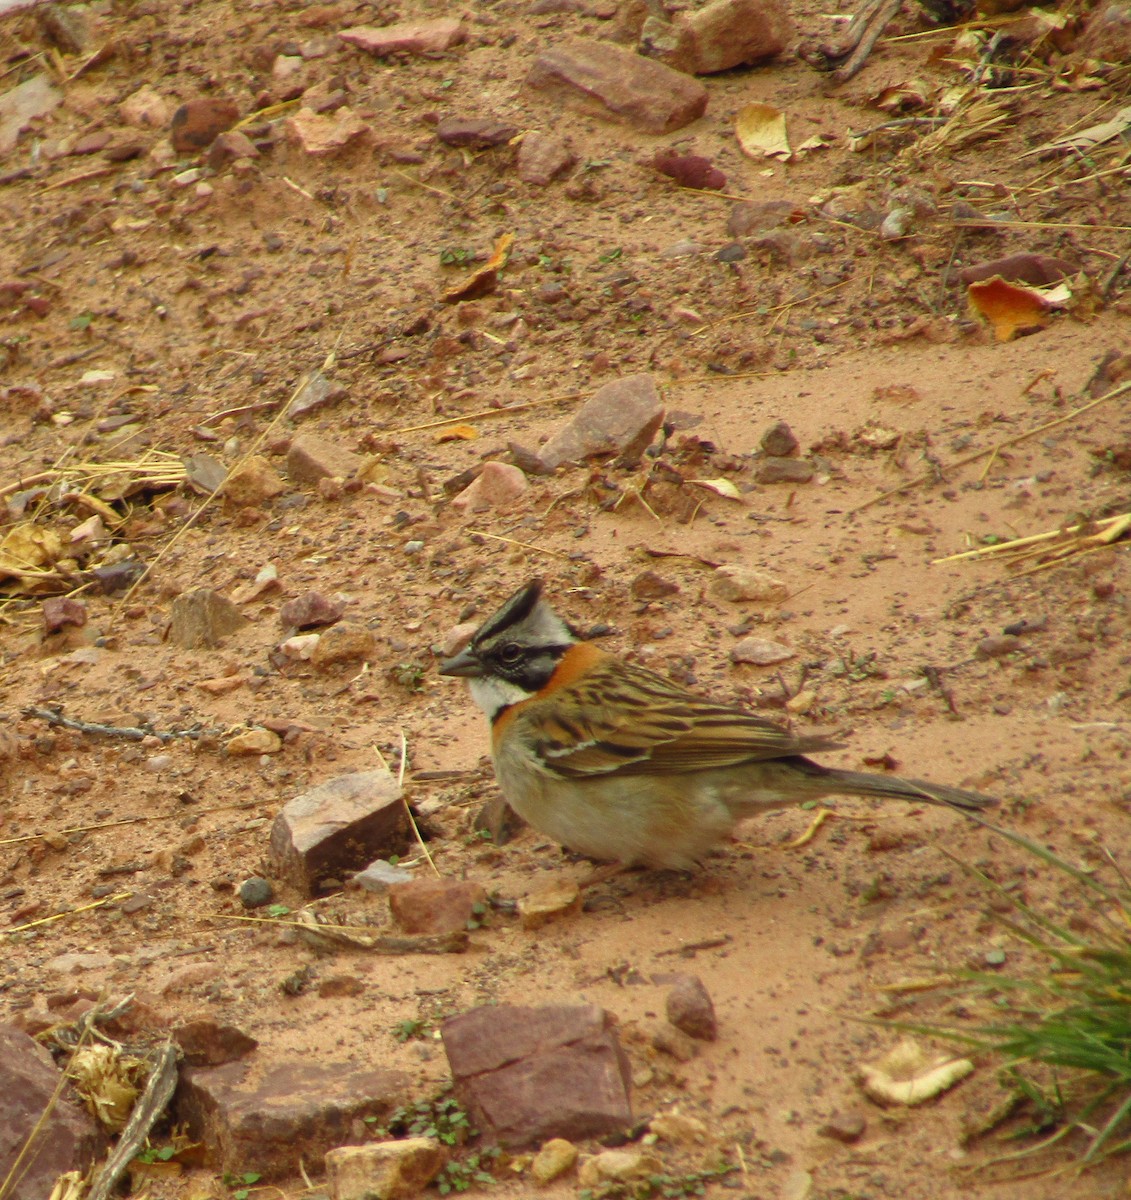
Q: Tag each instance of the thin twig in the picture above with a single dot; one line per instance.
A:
(504, 411)
(130, 732)
(497, 537)
(408, 811)
(70, 912)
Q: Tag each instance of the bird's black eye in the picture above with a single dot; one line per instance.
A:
(510, 653)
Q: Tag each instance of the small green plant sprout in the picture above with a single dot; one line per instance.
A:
(240, 1184)
(409, 675)
(441, 1118)
(414, 1029)
(156, 1154)
(460, 1174)
(456, 256)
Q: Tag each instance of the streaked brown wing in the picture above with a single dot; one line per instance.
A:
(625, 720)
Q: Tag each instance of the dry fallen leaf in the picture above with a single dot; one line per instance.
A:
(909, 1075)
(1011, 310)
(902, 97)
(721, 487)
(483, 281)
(760, 129)
(1086, 139)
(27, 549)
(107, 1079)
(457, 433)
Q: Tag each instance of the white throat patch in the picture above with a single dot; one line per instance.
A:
(492, 693)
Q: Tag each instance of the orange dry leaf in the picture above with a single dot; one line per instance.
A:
(1010, 309)
(484, 281)
(457, 433)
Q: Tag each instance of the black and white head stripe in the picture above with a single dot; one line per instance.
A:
(514, 612)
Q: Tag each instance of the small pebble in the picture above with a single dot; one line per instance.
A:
(413, 547)
(256, 892)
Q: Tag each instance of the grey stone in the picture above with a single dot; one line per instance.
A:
(203, 618)
(256, 892)
(760, 652)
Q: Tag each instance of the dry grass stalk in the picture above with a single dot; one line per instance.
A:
(1070, 542)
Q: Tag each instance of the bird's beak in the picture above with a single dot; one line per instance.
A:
(465, 664)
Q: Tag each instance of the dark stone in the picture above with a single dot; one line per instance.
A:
(779, 440)
(475, 132)
(256, 892)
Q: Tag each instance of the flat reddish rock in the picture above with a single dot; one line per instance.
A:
(720, 35)
(615, 82)
(620, 418)
(475, 132)
(208, 1043)
(311, 458)
(286, 1113)
(311, 610)
(322, 134)
(529, 1074)
(338, 828)
(406, 37)
(498, 485)
(435, 905)
(542, 158)
(67, 1139)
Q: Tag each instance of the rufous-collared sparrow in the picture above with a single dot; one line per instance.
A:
(616, 762)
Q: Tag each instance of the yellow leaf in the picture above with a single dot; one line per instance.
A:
(721, 487)
(27, 548)
(457, 433)
(760, 129)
